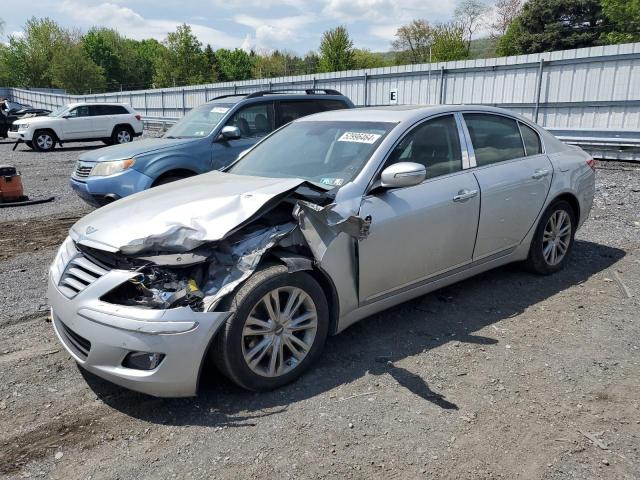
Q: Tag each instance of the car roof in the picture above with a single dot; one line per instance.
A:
(400, 113)
(82, 104)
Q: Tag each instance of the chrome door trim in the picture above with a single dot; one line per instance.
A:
(464, 133)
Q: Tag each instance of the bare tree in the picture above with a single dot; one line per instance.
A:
(470, 15)
(505, 11)
(413, 42)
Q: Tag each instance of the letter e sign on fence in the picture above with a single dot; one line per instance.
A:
(393, 96)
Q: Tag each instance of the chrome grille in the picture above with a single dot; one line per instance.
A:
(79, 273)
(82, 170)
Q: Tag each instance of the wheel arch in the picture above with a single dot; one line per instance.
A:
(123, 125)
(176, 172)
(572, 200)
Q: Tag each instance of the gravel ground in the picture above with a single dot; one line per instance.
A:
(506, 375)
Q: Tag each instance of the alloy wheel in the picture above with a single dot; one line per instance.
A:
(123, 136)
(556, 237)
(44, 141)
(279, 332)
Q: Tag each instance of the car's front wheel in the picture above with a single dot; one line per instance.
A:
(278, 329)
(43, 141)
(553, 239)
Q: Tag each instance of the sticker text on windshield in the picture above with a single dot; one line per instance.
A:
(359, 137)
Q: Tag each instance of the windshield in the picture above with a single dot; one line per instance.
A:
(327, 153)
(199, 122)
(58, 112)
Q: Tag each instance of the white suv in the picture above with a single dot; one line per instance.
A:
(108, 122)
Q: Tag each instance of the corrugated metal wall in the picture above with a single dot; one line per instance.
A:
(595, 87)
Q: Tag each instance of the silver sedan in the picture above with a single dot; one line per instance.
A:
(328, 220)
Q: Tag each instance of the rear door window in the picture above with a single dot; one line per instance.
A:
(495, 138)
(531, 139)
(254, 120)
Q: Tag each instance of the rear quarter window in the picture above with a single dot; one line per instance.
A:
(531, 139)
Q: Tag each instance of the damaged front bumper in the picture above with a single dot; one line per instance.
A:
(100, 336)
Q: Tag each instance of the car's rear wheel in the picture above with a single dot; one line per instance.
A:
(553, 239)
(43, 141)
(278, 329)
(122, 135)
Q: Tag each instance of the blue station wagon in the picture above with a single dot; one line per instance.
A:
(207, 138)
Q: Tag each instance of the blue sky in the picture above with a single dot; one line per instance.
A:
(293, 25)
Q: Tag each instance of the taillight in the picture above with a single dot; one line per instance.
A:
(592, 164)
(138, 117)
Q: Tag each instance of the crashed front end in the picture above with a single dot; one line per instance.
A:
(144, 316)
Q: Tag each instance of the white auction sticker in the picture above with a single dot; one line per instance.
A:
(359, 137)
(219, 110)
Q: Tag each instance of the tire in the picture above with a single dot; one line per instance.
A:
(234, 347)
(549, 248)
(43, 141)
(121, 134)
(29, 144)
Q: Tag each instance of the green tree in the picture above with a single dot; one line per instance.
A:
(32, 54)
(182, 63)
(149, 52)
(73, 69)
(547, 25)
(364, 58)
(336, 50)
(625, 17)
(310, 63)
(413, 42)
(235, 64)
(212, 64)
(508, 43)
(449, 42)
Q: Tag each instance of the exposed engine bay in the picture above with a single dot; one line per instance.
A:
(294, 229)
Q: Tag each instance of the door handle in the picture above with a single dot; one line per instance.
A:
(540, 174)
(464, 195)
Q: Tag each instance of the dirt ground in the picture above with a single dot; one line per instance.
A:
(506, 375)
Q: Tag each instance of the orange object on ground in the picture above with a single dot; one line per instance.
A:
(10, 184)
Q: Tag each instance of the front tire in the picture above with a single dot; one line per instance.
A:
(43, 141)
(29, 144)
(553, 239)
(277, 330)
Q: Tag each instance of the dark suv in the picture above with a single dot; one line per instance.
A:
(209, 137)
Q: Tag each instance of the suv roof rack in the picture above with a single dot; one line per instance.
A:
(261, 93)
(308, 91)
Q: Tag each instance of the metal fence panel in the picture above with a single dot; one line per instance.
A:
(593, 88)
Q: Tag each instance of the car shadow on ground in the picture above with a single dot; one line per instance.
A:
(374, 346)
(24, 149)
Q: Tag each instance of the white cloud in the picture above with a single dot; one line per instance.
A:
(384, 10)
(133, 25)
(271, 32)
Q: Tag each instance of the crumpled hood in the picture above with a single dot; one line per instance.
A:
(131, 149)
(182, 215)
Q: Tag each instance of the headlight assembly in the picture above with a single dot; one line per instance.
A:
(103, 169)
(23, 126)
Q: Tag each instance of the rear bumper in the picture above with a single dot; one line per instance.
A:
(99, 335)
(98, 191)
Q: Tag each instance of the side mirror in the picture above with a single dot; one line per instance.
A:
(229, 133)
(403, 174)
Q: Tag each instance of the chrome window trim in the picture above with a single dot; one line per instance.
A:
(402, 136)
